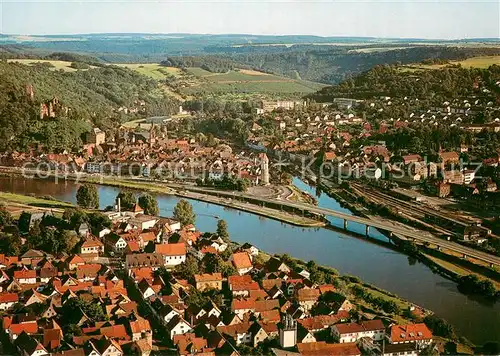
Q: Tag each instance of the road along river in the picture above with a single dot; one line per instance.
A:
(477, 320)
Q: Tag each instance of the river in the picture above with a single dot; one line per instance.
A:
(375, 264)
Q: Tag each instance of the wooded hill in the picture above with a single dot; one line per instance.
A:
(88, 97)
(447, 83)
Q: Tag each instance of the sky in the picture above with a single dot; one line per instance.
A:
(373, 18)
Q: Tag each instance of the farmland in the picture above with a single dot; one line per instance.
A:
(152, 70)
(57, 65)
(473, 62)
(185, 83)
(247, 82)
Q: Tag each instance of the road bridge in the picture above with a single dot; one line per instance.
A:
(378, 223)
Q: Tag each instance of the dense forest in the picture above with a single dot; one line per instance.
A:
(87, 98)
(305, 59)
(334, 65)
(384, 80)
(214, 64)
(324, 65)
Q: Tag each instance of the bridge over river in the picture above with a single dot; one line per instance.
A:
(375, 222)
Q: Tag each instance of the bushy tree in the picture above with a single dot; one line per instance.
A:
(93, 310)
(149, 204)
(183, 212)
(439, 327)
(187, 269)
(98, 221)
(75, 217)
(87, 196)
(127, 199)
(5, 217)
(10, 244)
(222, 230)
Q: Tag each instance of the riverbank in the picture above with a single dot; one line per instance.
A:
(162, 188)
(443, 262)
(373, 263)
(16, 203)
(374, 302)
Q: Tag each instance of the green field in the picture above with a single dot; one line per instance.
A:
(248, 82)
(152, 70)
(7, 198)
(482, 62)
(376, 49)
(56, 64)
(197, 81)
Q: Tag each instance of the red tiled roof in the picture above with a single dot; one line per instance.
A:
(52, 338)
(412, 159)
(370, 325)
(142, 273)
(8, 260)
(148, 236)
(88, 271)
(449, 156)
(24, 273)
(233, 330)
(137, 208)
(178, 249)
(245, 279)
(322, 321)
(189, 235)
(322, 348)
(30, 327)
(256, 305)
(256, 294)
(139, 326)
(209, 249)
(8, 298)
(270, 316)
(268, 284)
(242, 260)
(410, 332)
(76, 259)
(307, 295)
(188, 344)
(133, 246)
(208, 277)
(326, 288)
(92, 243)
(115, 332)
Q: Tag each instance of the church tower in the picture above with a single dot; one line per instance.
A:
(264, 167)
(288, 332)
(152, 136)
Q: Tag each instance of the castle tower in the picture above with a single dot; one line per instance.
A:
(29, 92)
(288, 332)
(152, 136)
(264, 166)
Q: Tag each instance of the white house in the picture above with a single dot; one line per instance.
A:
(178, 326)
(25, 276)
(352, 332)
(146, 289)
(116, 242)
(469, 175)
(143, 222)
(240, 332)
(173, 254)
(92, 246)
(242, 262)
(7, 300)
(251, 249)
(417, 333)
(167, 312)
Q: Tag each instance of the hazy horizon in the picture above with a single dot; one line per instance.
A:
(236, 34)
(405, 19)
